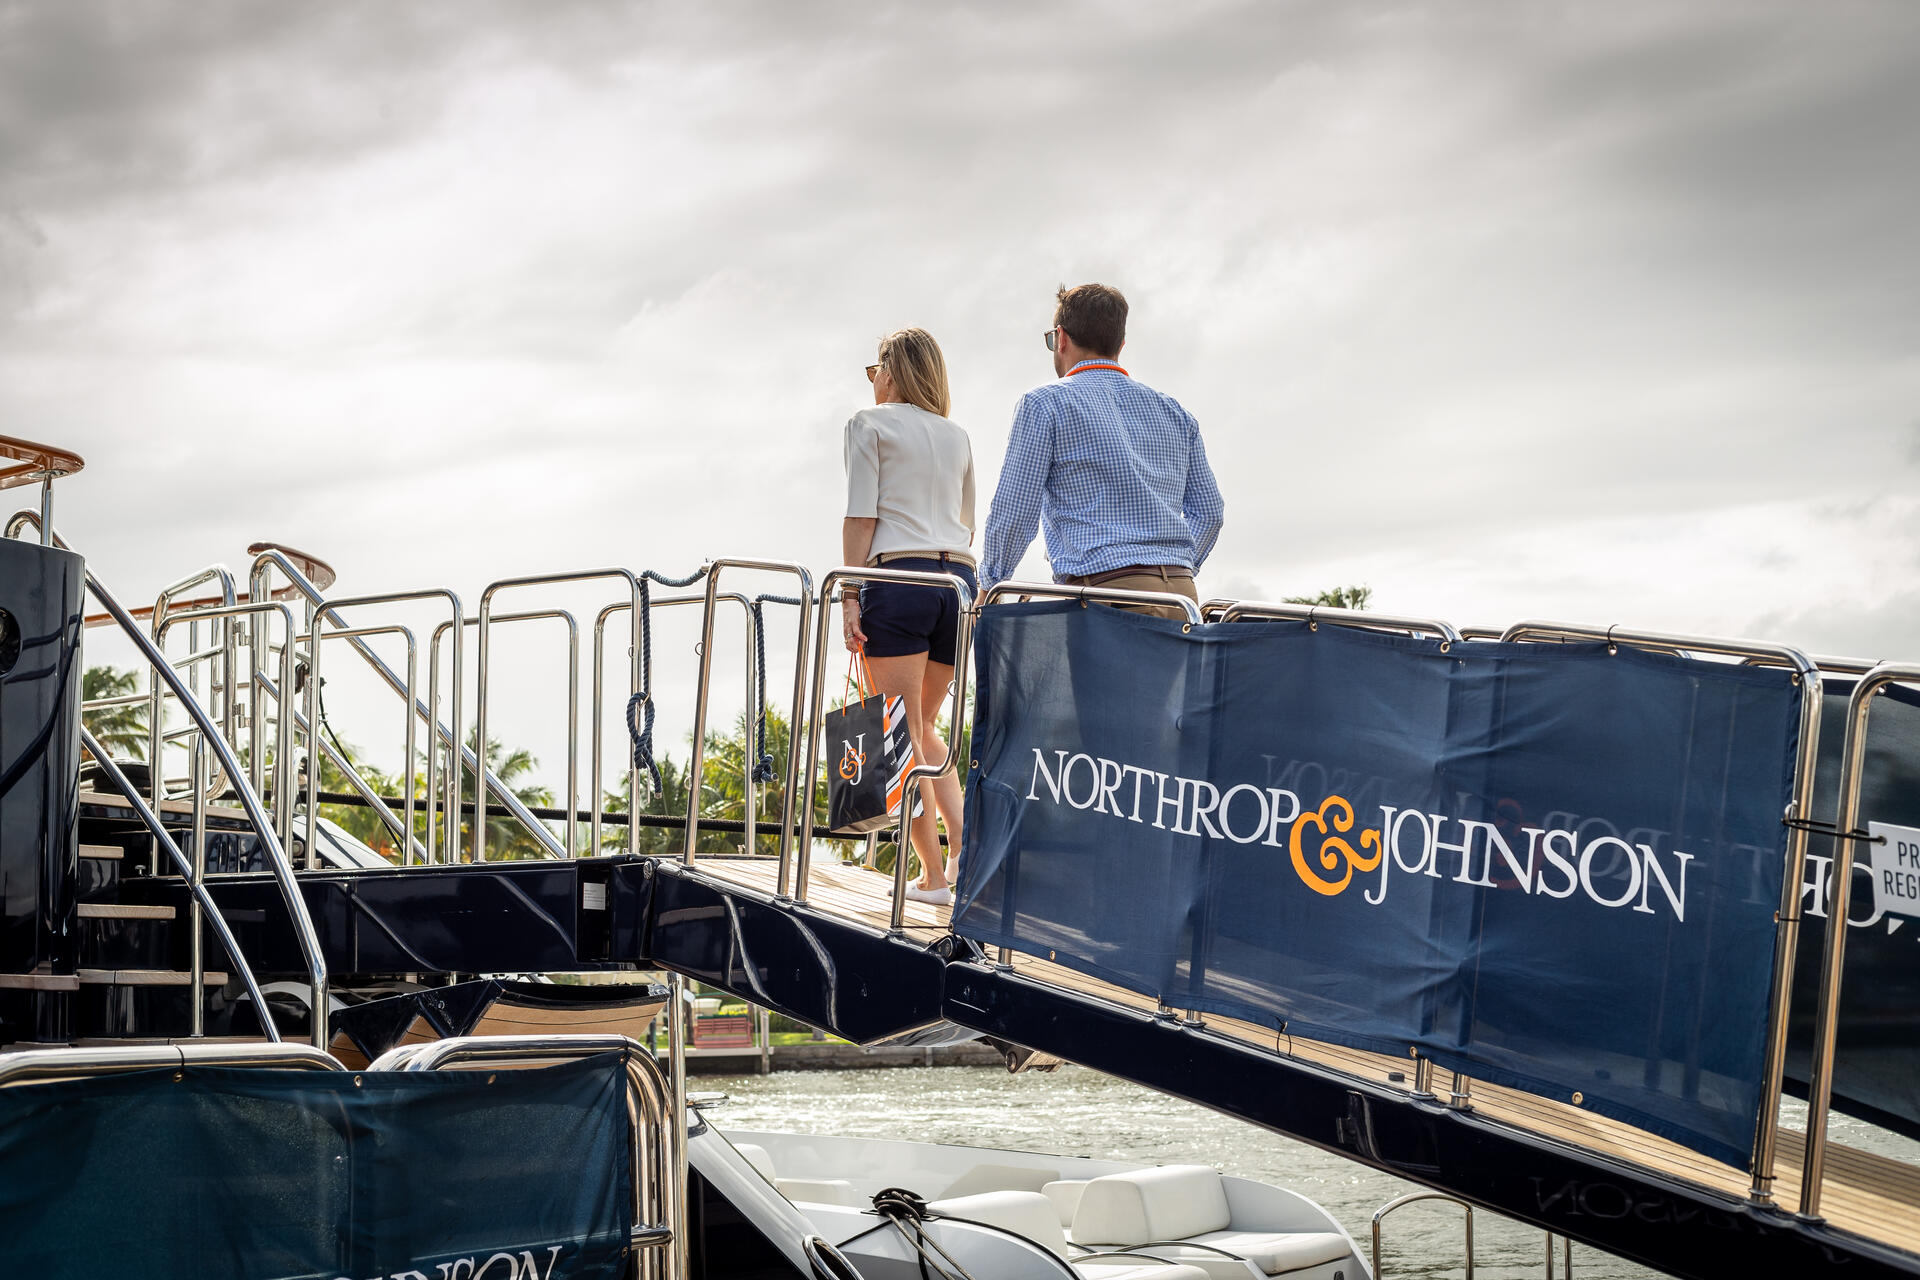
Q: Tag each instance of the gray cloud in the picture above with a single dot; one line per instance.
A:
(1595, 311)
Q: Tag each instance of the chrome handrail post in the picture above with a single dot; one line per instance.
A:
(573, 733)
(637, 675)
(1853, 759)
(712, 570)
(196, 963)
(597, 725)
(697, 765)
(677, 1088)
(749, 788)
(796, 731)
(480, 727)
(802, 792)
(433, 748)
(283, 784)
(312, 758)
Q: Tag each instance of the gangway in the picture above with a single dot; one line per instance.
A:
(834, 944)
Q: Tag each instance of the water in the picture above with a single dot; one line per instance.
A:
(1075, 1111)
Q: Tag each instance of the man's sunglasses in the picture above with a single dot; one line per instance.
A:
(1053, 335)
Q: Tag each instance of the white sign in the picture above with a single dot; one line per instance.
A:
(1896, 868)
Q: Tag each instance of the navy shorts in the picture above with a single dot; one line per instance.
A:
(902, 618)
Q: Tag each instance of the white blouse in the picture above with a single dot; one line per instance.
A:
(912, 471)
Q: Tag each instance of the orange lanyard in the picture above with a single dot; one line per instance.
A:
(1083, 368)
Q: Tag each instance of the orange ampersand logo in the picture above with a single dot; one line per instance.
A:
(1342, 821)
(851, 762)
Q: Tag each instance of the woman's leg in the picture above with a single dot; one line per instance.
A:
(934, 687)
(902, 677)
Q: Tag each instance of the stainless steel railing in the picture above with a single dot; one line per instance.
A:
(1391, 1206)
(538, 829)
(1833, 960)
(272, 559)
(656, 1106)
(696, 767)
(963, 641)
(270, 841)
(314, 649)
(1313, 615)
(28, 1066)
(452, 799)
(749, 788)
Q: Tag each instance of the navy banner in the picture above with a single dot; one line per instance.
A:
(1549, 866)
(322, 1175)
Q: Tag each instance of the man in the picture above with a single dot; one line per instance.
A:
(1114, 470)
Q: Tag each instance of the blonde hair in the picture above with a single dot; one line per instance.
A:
(913, 359)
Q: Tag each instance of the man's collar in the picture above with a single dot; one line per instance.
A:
(1097, 362)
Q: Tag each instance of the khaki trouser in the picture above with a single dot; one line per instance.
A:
(1154, 582)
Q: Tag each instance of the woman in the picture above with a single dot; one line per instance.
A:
(910, 506)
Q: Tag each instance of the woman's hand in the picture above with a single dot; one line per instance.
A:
(850, 623)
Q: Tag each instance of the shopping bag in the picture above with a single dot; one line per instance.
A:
(870, 752)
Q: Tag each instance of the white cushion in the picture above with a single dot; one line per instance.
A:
(998, 1177)
(756, 1156)
(1169, 1203)
(1278, 1252)
(821, 1191)
(1138, 1269)
(1025, 1213)
(1065, 1197)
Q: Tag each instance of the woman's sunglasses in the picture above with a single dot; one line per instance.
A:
(873, 371)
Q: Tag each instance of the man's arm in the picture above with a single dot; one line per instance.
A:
(1205, 510)
(1014, 515)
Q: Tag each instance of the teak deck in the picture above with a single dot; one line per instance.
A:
(1868, 1194)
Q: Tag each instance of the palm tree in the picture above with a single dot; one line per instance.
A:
(1338, 598)
(121, 730)
(506, 838)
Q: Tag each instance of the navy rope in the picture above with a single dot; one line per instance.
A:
(763, 758)
(640, 705)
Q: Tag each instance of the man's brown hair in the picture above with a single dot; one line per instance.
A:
(1094, 316)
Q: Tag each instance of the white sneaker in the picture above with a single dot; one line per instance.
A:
(941, 897)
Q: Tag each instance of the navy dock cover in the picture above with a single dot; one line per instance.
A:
(1553, 867)
(268, 1174)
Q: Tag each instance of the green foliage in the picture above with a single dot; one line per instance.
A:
(1355, 597)
(121, 730)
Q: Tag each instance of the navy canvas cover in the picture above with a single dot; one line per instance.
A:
(171, 1175)
(1551, 866)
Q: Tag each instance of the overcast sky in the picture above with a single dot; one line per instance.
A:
(1607, 313)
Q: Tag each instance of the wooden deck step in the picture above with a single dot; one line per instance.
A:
(146, 978)
(122, 911)
(103, 852)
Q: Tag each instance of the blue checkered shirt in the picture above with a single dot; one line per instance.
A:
(1114, 471)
